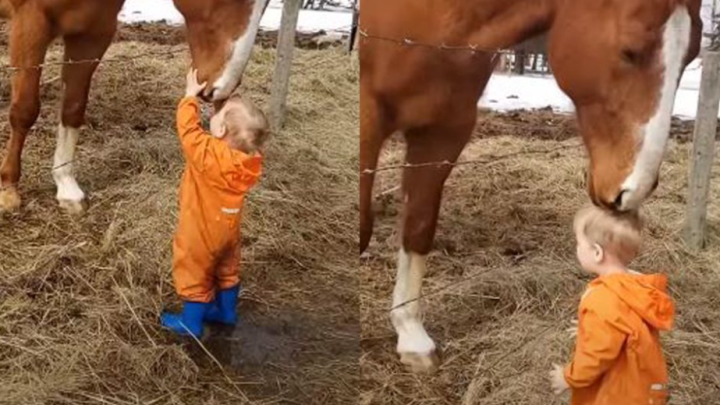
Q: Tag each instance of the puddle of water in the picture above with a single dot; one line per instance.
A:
(256, 342)
(290, 354)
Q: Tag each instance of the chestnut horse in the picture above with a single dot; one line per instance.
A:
(620, 61)
(221, 34)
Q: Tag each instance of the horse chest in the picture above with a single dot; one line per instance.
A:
(83, 16)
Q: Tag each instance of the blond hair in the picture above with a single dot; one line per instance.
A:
(618, 233)
(247, 126)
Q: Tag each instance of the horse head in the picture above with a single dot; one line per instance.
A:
(620, 61)
(221, 35)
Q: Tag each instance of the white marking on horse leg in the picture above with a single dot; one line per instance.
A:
(69, 194)
(242, 48)
(415, 347)
(9, 199)
(654, 134)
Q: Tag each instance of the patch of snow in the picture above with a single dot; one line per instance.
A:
(164, 10)
(310, 20)
(506, 92)
(509, 92)
(339, 5)
(150, 11)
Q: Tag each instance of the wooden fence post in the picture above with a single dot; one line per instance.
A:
(283, 63)
(703, 150)
(353, 29)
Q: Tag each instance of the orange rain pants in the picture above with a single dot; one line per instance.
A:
(206, 244)
(618, 358)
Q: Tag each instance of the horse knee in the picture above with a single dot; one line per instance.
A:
(23, 114)
(418, 233)
(73, 114)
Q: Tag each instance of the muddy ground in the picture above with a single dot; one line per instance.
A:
(503, 283)
(80, 297)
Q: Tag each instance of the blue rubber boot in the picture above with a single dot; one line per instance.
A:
(224, 309)
(190, 319)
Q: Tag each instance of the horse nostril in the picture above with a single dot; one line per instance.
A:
(617, 204)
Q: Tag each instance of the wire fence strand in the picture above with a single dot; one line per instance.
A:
(125, 59)
(472, 48)
(489, 159)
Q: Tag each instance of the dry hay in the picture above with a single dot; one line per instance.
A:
(166, 34)
(505, 238)
(80, 298)
(545, 124)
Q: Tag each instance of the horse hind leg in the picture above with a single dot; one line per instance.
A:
(422, 188)
(30, 35)
(76, 80)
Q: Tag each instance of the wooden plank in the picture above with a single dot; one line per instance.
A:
(703, 151)
(283, 63)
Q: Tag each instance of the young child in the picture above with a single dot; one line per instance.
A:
(618, 358)
(221, 167)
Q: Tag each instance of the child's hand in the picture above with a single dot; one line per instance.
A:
(193, 88)
(573, 330)
(557, 379)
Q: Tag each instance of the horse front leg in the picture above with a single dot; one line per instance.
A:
(374, 130)
(30, 36)
(422, 189)
(76, 79)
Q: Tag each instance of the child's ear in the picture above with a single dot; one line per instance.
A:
(223, 131)
(598, 253)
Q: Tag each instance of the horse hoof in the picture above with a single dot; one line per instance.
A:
(73, 207)
(421, 363)
(9, 200)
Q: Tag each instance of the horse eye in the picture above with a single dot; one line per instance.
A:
(631, 57)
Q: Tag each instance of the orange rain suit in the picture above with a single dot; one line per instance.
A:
(618, 358)
(206, 244)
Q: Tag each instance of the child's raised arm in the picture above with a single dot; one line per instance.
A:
(189, 129)
(192, 136)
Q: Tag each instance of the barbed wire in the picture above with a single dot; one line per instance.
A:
(446, 287)
(488, 159)
(130, 58)
(472, 48)
(344, 30)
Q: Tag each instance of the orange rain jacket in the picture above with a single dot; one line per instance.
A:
(216, 178)
(618, 358)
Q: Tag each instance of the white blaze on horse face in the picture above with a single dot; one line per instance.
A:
(241, 50)
(68, 190)
(406, 317)
(676, 41)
